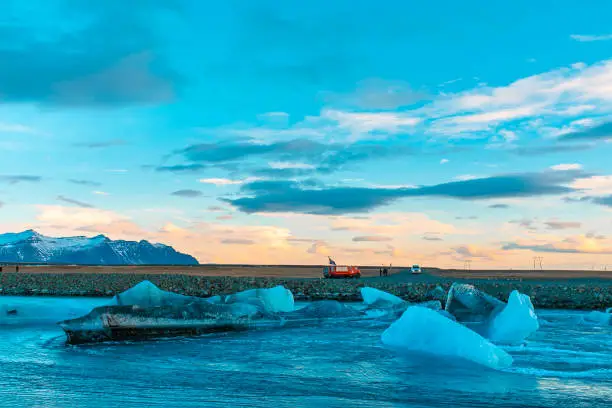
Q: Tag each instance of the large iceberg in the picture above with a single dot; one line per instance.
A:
(274, 300)
(145, 311)
(515, 322)
(503, 323)
(423, 330)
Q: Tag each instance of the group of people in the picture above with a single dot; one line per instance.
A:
(384, 271)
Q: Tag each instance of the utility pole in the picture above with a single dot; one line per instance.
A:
(467, 265)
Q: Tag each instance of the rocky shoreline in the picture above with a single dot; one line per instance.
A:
(578, 294)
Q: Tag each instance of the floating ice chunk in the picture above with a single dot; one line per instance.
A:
(371, 296)
(515, 322)
(276, 299)
(600, 318)
(146, 294)
(469, 304)
(426, 331)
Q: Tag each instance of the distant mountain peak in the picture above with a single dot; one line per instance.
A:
(31, 247)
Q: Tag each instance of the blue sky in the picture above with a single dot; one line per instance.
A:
(268, 131)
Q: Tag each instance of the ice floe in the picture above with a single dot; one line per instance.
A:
(515, 322)
(423, 330)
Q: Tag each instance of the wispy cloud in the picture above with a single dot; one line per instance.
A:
(187, 193)
(372, 238)
(566, 166)
(603, 131)
(101, 144)
(591, 38)
(75, 202)
(561, 225)
(221, 181)
(237, 241)
(14, 179)
(85, 182)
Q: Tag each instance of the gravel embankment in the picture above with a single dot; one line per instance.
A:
(587, 294)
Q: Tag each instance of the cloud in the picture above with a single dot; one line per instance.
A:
(603, 131)
(560, 225)
(187, 193)
(290, 196)
(539, 248)
(14, 179)
(471, 217)
(102, 144)
(377, 94)
(594, 185)
(237, 241)
(85, 182)
(591, 38)
(282, 159)
(372, 238)
(221, 181)
(291, 165)
(499, 206)
(181, 168)
(607, 201)
(432, 238)
(554, 248)
(550, 149)
(75, 202)
(16, 128)
(565, 167)
(444, 161)
(102, 193)
(103, 59)
(472, 251)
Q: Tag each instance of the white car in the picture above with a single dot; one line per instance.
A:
(415, 269)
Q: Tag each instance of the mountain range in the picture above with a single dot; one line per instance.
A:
(32, 247)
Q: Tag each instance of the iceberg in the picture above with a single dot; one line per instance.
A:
(515, 322)
(373, 296)
(146, 294)
(273, 300)
(423, 330)
(116, 323)
(469, 304)
(502, 323)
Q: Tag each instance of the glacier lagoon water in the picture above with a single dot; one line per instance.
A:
(566, 363)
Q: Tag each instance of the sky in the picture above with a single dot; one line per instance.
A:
(375, 132)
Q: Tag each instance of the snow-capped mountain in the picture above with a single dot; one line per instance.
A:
(32, 247)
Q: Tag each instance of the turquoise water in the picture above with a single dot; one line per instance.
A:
(566, 363)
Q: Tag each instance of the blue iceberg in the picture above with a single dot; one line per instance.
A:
(422, 330)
